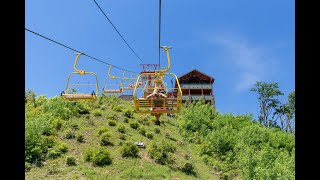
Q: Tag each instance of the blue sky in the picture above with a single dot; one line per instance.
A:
(236, 42)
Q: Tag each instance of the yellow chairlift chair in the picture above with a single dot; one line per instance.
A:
(109, 87)
(68, 95)
(160, 105)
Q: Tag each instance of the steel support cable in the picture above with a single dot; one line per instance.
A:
(117, 30)
(76, 50)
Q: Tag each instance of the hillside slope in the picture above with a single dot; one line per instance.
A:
(94, 140)
(63, 123)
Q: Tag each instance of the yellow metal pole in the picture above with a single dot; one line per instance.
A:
(165, 48)
(75, 65)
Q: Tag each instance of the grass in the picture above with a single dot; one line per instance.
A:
(142, 167)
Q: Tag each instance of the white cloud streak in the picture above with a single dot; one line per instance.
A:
(248, 59)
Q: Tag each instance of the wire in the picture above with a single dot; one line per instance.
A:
(76, 50)
(159, 31)
(117, 31)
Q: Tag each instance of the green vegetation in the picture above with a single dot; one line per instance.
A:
(74, 140)
(238, 146)
(129, 150)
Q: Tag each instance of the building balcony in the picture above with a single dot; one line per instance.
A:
(196, 97)
(196, 86)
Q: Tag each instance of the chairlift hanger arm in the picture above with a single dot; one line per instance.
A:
(165, 48)
(109, 73)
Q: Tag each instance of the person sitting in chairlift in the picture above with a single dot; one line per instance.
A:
(157, 92)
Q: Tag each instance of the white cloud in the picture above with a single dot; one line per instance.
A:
(247, 58)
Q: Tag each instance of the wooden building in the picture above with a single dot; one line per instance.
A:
(196, 84)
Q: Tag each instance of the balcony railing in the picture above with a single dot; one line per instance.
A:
(196, 97)
(196, 86)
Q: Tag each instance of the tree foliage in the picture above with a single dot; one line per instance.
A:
(267, 95)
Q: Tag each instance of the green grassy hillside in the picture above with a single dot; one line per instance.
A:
(93, 140)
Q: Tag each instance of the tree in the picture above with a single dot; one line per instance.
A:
(291, 112)
(286, 113)
(267, 93)
(30, 96)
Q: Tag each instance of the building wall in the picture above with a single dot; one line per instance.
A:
(193, 92)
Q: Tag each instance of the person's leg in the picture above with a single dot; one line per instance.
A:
(158, 119)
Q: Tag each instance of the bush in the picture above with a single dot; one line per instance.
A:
(157, 130)
(126, 120)
(112, 115)
(188, 169)
(53, 153)
(69, 134)
(101, 157)
(160, 152)
(80, 138)
(50, 141)
(122, 128)
(71, 161)
(129, 150)
(105, 139)
(97, 112)
(62, 147)
(88, 154)
(117, 108)
(102, 130)
(122, 136)
(57, 124)
(128, 113)
(134, 124)
(27, 166)
(142, 131)
(75, 126)
(149, 135)
(112, 123)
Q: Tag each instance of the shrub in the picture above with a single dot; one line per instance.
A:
(188, 168)
(122, 136)
(102, 130)
(122, 128)
(75, 126)
(105, 139)
(103, 107)
(97, 112)
(128, 113)
(134, 124)
(149, 135)
(57, 124)
(157, 130)
(112, 123)
(117, 108)
(27, 166)
(101, 157)
(80, 138)
(126, 120)
(144, 121)
(71, 161)
(57, 150)
(168, 147)
(53, 153)
(88, 154)
(69, 134)
(35, 143)
(62, 147)
(142, 131)
(50, 141)
(129, 150)
(112, 115)
(160, 152)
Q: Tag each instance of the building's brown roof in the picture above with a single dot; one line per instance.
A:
(196, 73)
